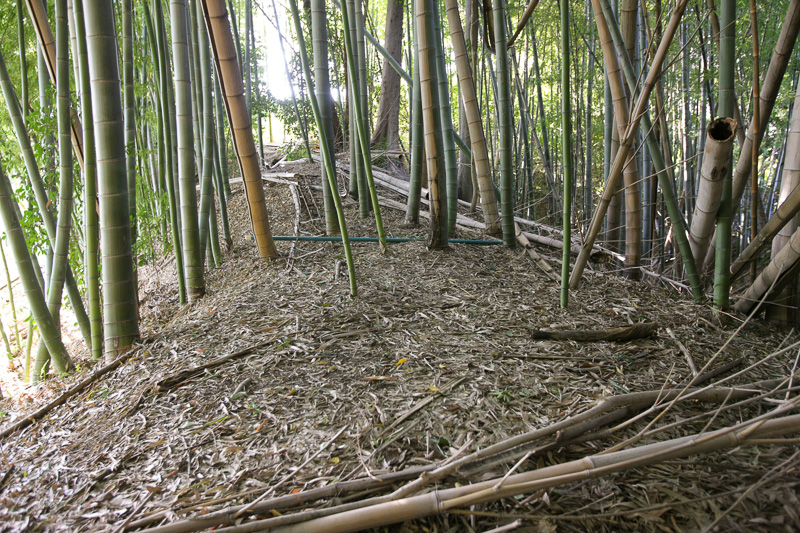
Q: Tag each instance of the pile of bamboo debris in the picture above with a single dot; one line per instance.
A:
(322, 509)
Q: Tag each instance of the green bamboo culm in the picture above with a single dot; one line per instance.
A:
(221, 164)
(727, 101)
(434, 151)
(190, 232)
(327, 157)
(35, 179)
(359, 49)
(450, 161)
(358, 183)
(657, 158)
(363, 138)
(505, 129)
(165, 138)
(566, 151)
(319, 45)
(23, 60)
(91, 255)
(121, 321)
(65, 202)
(130, 110)
(207, 176)
(49, 330)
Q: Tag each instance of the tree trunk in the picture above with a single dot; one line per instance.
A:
(322, 87)
(387, 128)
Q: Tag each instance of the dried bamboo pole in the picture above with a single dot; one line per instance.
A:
(474, 121)
(607, 411)
(626, 142)
(224, 51)
(439, 501)
(716, 159)
(789, 206)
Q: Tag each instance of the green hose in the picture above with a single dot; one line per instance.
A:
(375, 239)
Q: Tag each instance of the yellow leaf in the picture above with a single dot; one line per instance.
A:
(335, 460)
(401, 361)
(292, 392)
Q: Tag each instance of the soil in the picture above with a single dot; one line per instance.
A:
(435, 354)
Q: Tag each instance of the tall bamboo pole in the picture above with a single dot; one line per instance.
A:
(206, 220)
(450, 161)
(626, 142)
(48, 329)
(130, 111)
(505, 130)
(63, 224)
(362, 123)
(727, 98)
(319, 45)
(23, 60)
(756, 132)
(474, 122)
(327, 156)
(121, 323)
(434, 151)
(566, 151)
(190, 233)
(241, 125)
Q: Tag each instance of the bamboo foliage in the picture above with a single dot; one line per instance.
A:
(48, 328)
(224, 51)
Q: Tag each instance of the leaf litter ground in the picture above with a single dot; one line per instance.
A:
(435, 352)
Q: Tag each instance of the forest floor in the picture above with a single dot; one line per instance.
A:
(434, 355)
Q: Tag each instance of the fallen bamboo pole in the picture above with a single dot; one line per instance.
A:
(607, 411)
(439, 501)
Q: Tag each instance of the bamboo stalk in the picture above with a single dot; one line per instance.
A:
(474, 121)
(326, 155)
(716, 159)
(224, 52)
(627, 141)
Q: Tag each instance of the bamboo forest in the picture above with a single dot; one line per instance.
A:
(399, 265)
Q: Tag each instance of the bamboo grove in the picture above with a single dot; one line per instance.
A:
(666, 132)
